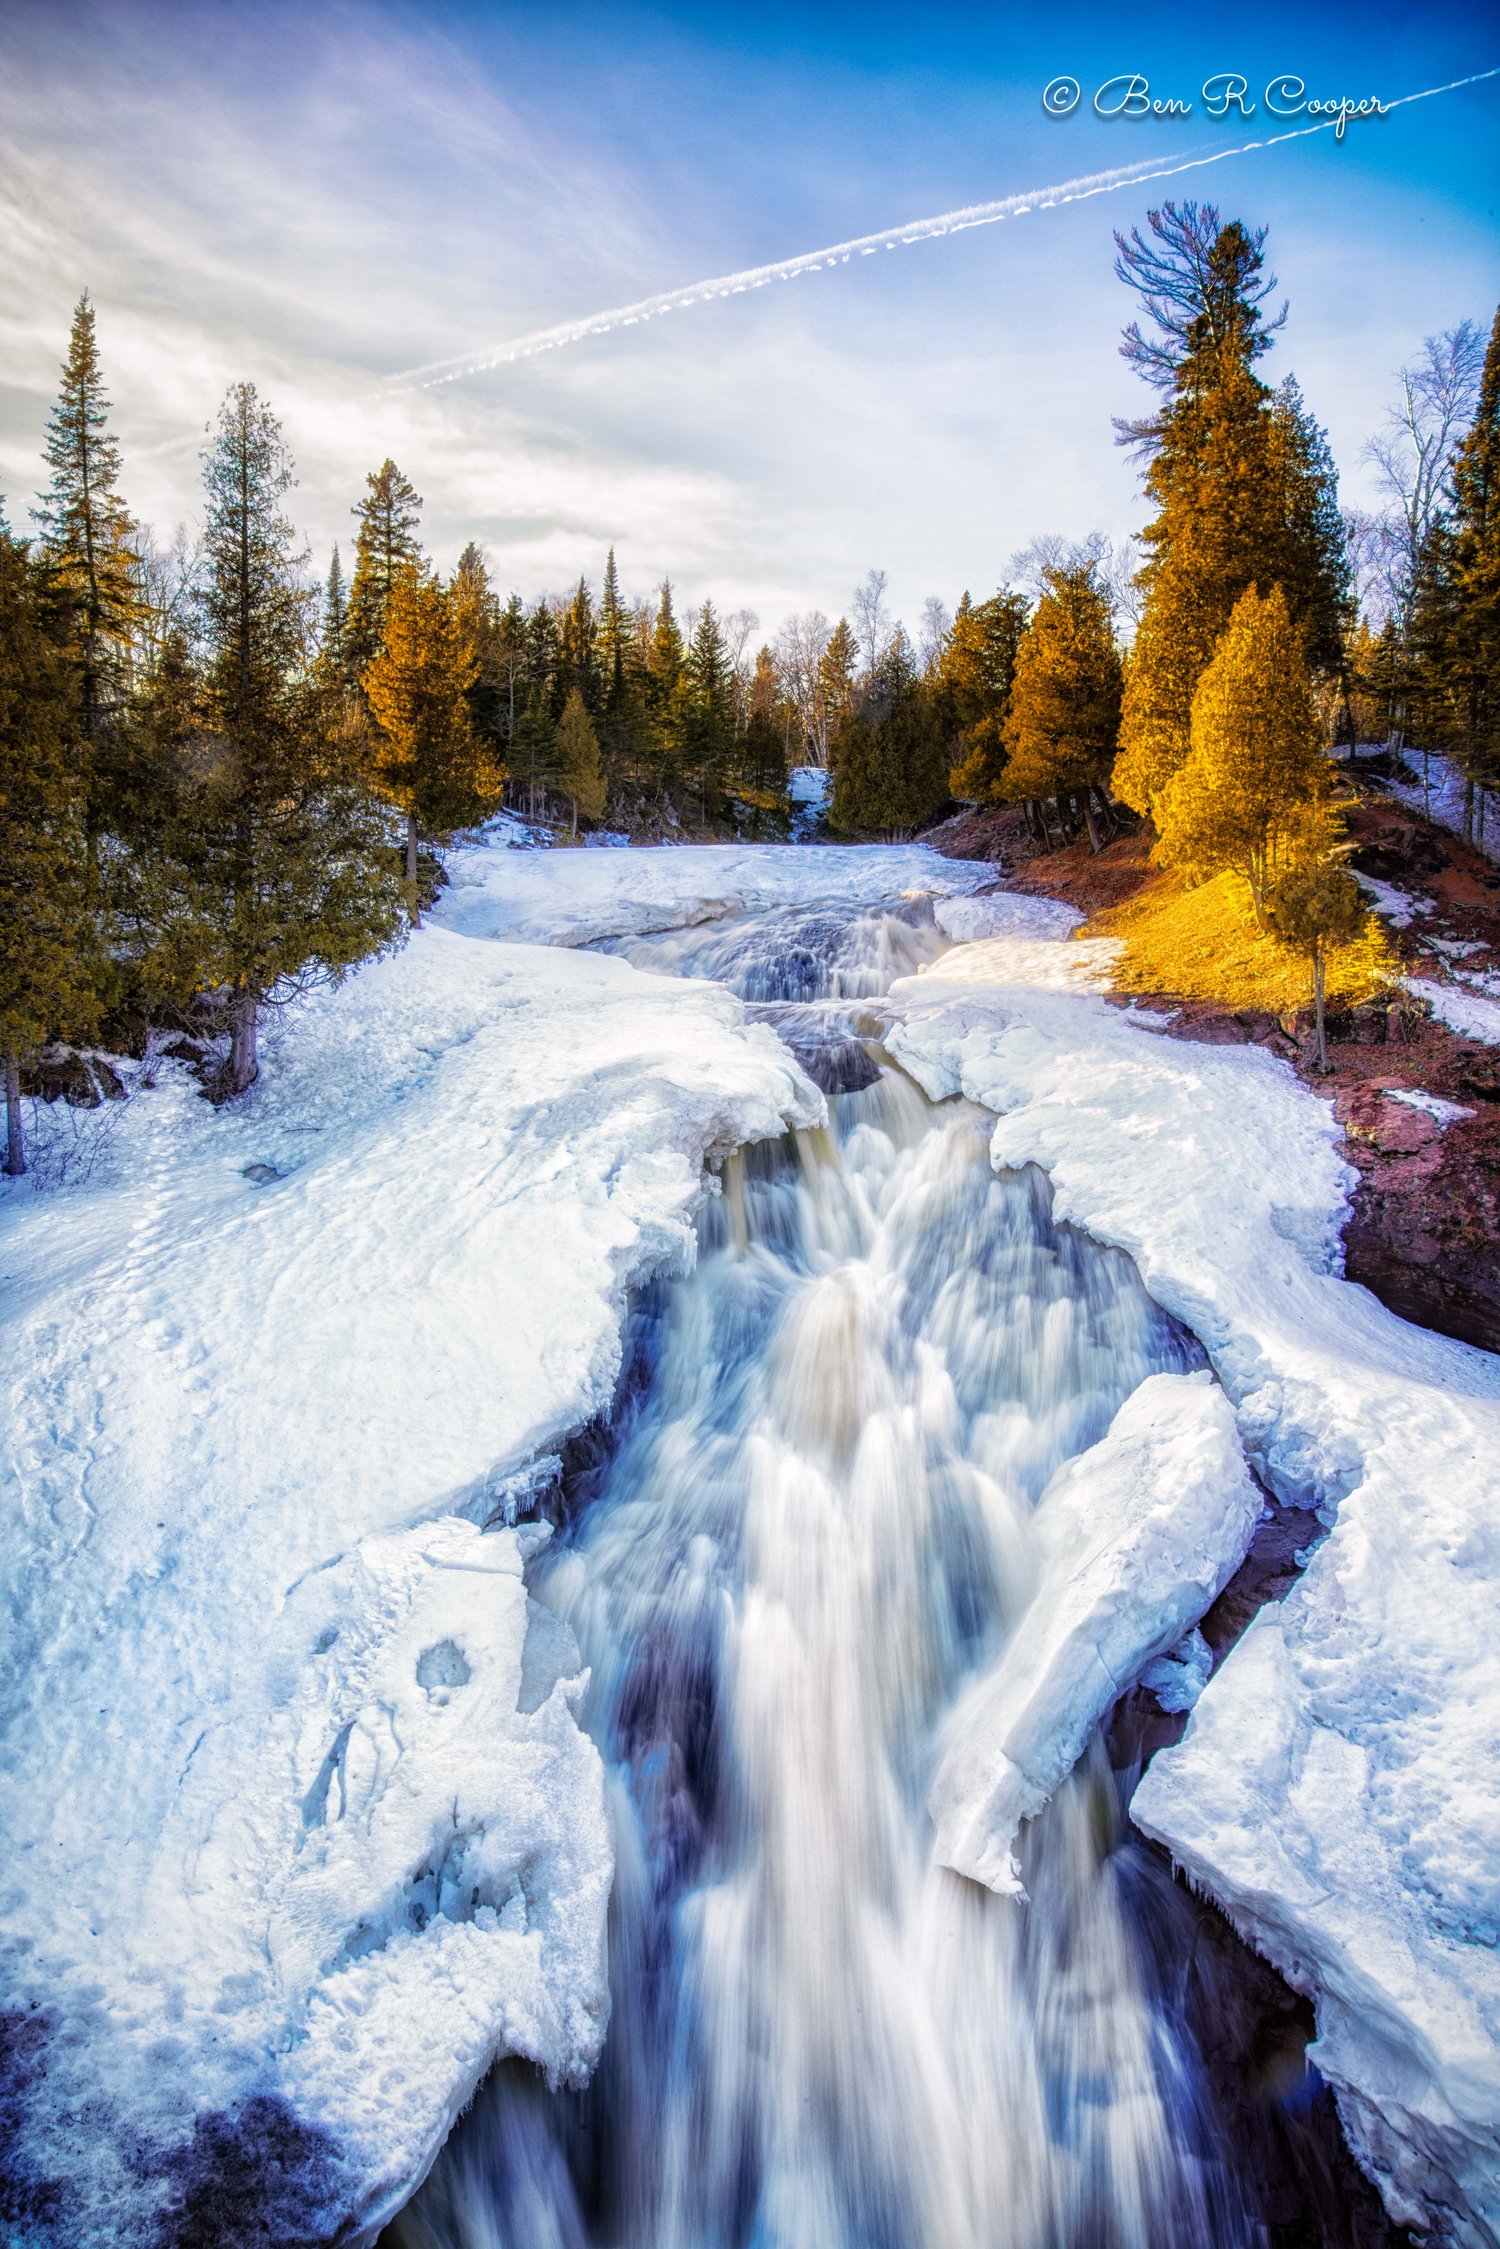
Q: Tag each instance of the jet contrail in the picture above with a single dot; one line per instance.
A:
(863, 246)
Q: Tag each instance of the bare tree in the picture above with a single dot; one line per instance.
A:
(932, 633)
(1178, 283)
(166, 577)
(872, 619)
(1411, 454)
(737, 628)
(798, 650)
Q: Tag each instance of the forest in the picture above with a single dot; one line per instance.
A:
(225, 775)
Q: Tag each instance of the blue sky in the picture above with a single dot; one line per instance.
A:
(318, 198)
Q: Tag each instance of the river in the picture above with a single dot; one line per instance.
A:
(811, 1525)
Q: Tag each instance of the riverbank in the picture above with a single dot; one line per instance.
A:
(1418, 1100)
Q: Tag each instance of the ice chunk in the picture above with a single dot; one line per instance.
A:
(1138, 1535)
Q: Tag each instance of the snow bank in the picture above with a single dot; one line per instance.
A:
(1335, 1790)
(1004, 913)
(1138, 1536)
(1464, 1012)
(578, 898)
(1442, 799)
(300, 1829)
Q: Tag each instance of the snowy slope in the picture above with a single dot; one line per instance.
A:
(1336, 1787)
(578, 897)
(299, 1825)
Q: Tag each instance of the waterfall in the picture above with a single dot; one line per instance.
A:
(815, 1526)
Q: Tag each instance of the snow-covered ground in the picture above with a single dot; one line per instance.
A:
(1336, 1788)
(1467, 1012)
(299, 1826)
(1441, 796)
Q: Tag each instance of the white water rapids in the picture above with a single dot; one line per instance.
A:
(814, 1526)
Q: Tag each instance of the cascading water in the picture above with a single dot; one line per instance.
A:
(814, 1528)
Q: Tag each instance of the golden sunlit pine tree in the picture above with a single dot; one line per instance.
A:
(426, 757)
(1254, 795)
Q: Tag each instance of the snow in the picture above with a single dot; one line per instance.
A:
(1397, 907)
(1431, 1104)
(1004, 913)
(297, 1810)
(578, 898)
(810, 784)
(1138, 1535)
(1462, 1011)
(1443, 799)
(1335, 1788)
(1031, 963)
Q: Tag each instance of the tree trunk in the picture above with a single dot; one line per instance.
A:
(243, 1067)
(1095, 844)
(411, 869)
(1468, 810)
(575, 819)
(15, 1147)
(1318, 1006)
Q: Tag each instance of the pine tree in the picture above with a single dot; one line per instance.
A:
(835, 686)
(706, 745)
(1255, 794)
(1311, 909)
(1063, 721)
(426, 757)
(1244, 486)
(386, 545)
(87, 537)
(580, 774)
(1457, 630)
(1312, 566)
(578, 653)
(1219, 525)
(664, 696)
(279, 846)
(476, 612)
(46, 934)
(889, 766)
(973, 686)
(335, 618)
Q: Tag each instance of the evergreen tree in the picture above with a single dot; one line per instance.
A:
(889, 766)
(835, 681)
(707, 728)
(1244, 487)
(335, 618)
(87, 537)
(1063, 720)
(1312, 566)
(426, 757)
(580, 774)
(578, 653)
(664, 695)
(476, 612)
(973, 685)
(1311, 909)
(1219, 525)
(46, 936)
(386, 544)
(1458, 605)
(279, 847)
(1255, 794)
